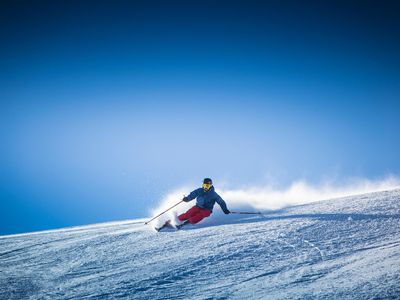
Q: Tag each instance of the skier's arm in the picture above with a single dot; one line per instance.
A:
(222, 203)
(191, 196)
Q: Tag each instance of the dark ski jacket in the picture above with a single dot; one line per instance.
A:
(207, 199)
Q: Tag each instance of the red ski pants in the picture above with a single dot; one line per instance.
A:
(195, 214)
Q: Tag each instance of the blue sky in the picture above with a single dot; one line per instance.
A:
(107, 106)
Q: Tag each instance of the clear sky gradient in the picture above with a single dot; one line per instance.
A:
(107, 106)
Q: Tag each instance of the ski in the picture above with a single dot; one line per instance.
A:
(167, 224)
(181, 225)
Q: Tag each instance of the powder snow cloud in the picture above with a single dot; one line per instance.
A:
(268, 197)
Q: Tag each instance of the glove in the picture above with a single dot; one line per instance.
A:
(227, 211)
(186, 199)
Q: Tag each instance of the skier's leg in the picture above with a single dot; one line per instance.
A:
(200, 215)
(185, 216)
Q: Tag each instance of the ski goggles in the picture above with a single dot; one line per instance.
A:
(207, 186)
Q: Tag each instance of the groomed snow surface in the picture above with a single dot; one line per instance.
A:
(346, 248)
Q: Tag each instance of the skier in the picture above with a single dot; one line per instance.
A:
(205, 200)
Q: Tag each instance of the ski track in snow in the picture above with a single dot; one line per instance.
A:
(315, 247)
(346, 248)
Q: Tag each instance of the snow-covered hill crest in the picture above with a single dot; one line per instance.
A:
(346, 248)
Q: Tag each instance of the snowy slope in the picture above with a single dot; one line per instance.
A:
(345, 248)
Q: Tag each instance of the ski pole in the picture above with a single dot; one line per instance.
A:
(163, 212)
(245, 213)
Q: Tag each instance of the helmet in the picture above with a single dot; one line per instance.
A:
(207, 180)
